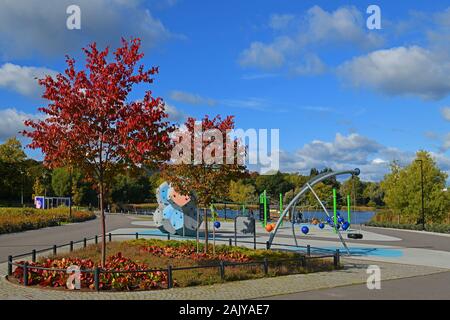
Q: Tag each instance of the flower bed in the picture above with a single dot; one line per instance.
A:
(108, 280)
(158, 254)
(22, 219)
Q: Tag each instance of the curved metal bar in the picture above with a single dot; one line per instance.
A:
(303, 190)
(326, 212)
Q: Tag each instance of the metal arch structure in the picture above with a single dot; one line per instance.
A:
(308, 186)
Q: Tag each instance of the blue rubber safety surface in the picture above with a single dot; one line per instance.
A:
(355, 251)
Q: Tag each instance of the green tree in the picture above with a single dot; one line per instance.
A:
(325, 194)
(295, 179)
(130, 189)
(61, 182)
(372, 194)
(13, 170)
(242, 193)
(402, 190)
(353, 187)
(288, 196)
(12, 152)
(273, 184)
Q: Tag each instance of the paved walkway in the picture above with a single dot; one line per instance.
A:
(353, 273)
(429, 287)
(405, 264)
(21, 242)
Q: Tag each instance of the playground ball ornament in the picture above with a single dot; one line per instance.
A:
(305, 230)
(345, 226)
(269, 227)
(217, 224)
(321, 225)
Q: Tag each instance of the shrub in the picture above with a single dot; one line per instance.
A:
(108, 280)
(22, 219)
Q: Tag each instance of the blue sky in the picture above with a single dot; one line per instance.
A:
(342, 95)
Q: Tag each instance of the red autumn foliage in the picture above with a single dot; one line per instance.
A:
(108, 281)
(91, 124)
(209, 178)
(189, 251)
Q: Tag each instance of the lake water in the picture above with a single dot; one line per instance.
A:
(356, 217)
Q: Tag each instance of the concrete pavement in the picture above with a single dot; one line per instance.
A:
(429, 287)
(354, 272)
(425, 269)
(22, 242)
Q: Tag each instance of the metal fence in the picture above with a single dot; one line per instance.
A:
(221, 266)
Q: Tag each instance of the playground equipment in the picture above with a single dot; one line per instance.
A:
(176, 213)
(264, 213)
(305, 230)
(309, 187)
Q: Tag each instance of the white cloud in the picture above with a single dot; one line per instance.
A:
(280, 21)
(175, 114)
(12, 121)
(258, 76)
(190, 98)
(446, 113)
(249, 103)
(299, 35)
(344, 25)
(348, 152)
(412, 71)
(313, 65)
(23, 79)
(28, 28)
(446, 142)
(267, 56)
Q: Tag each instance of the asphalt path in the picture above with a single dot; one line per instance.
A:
(22, 242)
(410, 239)
(429, 287)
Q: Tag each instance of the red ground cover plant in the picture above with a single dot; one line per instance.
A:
(108, 281)
(189, 251)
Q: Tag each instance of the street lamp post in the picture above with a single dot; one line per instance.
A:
(21, 194)
(423, 207)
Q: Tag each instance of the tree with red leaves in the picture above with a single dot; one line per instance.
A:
(90, 123)
(205, 158)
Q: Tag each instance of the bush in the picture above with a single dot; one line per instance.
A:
(154, 254)
(108, 280)
(22, 219)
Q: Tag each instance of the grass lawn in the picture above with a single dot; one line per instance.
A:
(158, 254)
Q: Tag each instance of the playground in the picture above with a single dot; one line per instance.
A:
(314, 233)
(168, 251)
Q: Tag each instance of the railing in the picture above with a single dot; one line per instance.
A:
(302, 260)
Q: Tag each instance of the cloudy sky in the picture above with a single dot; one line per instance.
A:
(343, 96)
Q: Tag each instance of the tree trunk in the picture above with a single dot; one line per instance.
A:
(102, 215)
(70, 194)
(205, 211)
